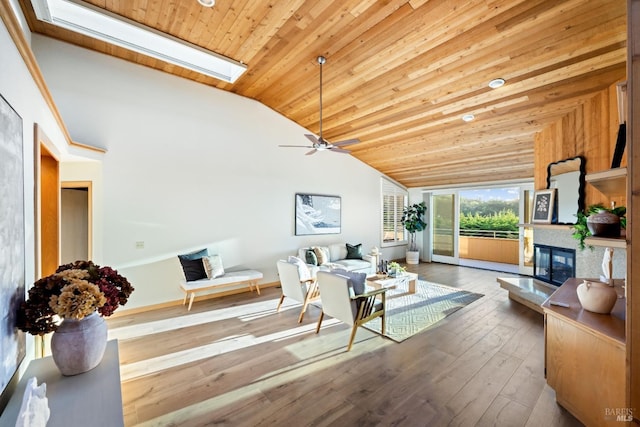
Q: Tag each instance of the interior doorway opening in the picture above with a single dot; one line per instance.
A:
(75, 222)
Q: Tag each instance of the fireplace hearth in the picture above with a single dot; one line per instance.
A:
(553, 264)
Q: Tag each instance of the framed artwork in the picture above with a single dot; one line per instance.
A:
(543, 204)
(317, 214)
(12, 263)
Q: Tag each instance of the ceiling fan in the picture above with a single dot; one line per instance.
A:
(319, 143)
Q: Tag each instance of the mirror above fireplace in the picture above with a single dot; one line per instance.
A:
(567, 177)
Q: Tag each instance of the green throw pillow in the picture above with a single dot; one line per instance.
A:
(310, 257)
(354, 251)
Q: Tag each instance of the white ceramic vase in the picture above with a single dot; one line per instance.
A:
(78, 346)
(597, 297)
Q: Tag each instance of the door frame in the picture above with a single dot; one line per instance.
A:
(46, 232)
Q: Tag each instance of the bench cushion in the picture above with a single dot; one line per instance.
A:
(230, 277)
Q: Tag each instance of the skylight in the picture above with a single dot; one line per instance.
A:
(83, 18)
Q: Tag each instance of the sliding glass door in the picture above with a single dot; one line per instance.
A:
(444, 217)
(482, 227)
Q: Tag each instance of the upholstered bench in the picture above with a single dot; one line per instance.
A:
(250, 277)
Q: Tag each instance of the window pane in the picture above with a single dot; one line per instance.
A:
(393, 201)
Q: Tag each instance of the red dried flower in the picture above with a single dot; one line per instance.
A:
(36, 317)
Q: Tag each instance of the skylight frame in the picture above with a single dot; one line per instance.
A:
(84, 18)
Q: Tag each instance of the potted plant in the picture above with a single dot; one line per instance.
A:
(395, 269)
(413, 221)
(581, 227)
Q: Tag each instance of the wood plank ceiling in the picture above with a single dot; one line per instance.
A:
(400, 74)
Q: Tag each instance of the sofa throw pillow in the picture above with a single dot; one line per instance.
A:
(213, 266)
(311, 257)
(322, 254)
(354, 251)
(303, 270)
(192, 265)
(356, 279)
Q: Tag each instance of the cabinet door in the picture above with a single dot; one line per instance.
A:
(587, 371)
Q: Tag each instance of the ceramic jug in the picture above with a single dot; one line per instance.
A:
(597, 297)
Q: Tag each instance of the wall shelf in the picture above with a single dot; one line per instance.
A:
(551, 226)
(610, 242)
(612, 182)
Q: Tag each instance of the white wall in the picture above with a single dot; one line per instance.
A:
(190, 166)
(20, 90)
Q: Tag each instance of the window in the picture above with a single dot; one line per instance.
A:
(394, 199)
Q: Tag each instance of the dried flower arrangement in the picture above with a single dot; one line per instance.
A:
(73, 292)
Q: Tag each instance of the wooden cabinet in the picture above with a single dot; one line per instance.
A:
(585, 357)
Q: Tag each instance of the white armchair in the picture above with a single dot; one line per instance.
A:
(340, 302)
(303, 290)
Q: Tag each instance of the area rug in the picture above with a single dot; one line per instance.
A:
(407, 314)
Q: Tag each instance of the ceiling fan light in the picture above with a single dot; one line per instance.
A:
(468, 117)
(207, 3)
(496, 83)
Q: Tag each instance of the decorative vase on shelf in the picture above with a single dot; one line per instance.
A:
(597, 297)
(78, 345)
(604, 224)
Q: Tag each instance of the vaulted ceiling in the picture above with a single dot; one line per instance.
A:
(400, 74)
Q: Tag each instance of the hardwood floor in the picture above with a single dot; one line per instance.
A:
(234, 361)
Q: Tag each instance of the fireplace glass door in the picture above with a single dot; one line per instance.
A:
(554, 265)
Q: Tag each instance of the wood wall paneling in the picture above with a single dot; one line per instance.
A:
(591, 131)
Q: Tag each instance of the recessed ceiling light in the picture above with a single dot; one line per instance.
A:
(207, 3)
(496, 83)
(468, 117)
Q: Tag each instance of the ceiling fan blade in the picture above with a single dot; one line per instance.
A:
(311, 152)
(339, 150)
(312, 138)
(346, 142)
(296, 146)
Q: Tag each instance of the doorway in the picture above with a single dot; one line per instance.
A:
(482, 227)
(75, 222)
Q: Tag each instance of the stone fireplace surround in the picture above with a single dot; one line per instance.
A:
(532, 292)
(588, 262)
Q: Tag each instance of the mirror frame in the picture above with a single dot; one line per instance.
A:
(581, 181)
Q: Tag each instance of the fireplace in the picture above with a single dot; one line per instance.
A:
(552, 264)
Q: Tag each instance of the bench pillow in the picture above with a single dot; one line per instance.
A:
(213, 266)
(192, 265)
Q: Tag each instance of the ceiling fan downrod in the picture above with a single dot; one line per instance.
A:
(321, 60)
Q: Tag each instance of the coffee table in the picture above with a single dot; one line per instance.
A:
(407, 280)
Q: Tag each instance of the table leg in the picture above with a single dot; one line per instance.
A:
(412, 286)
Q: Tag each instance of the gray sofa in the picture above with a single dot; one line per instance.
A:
(338, 259)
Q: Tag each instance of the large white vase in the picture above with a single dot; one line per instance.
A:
(78, 346)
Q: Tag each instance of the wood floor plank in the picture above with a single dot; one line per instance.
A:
(504, 412)
(234, 361)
